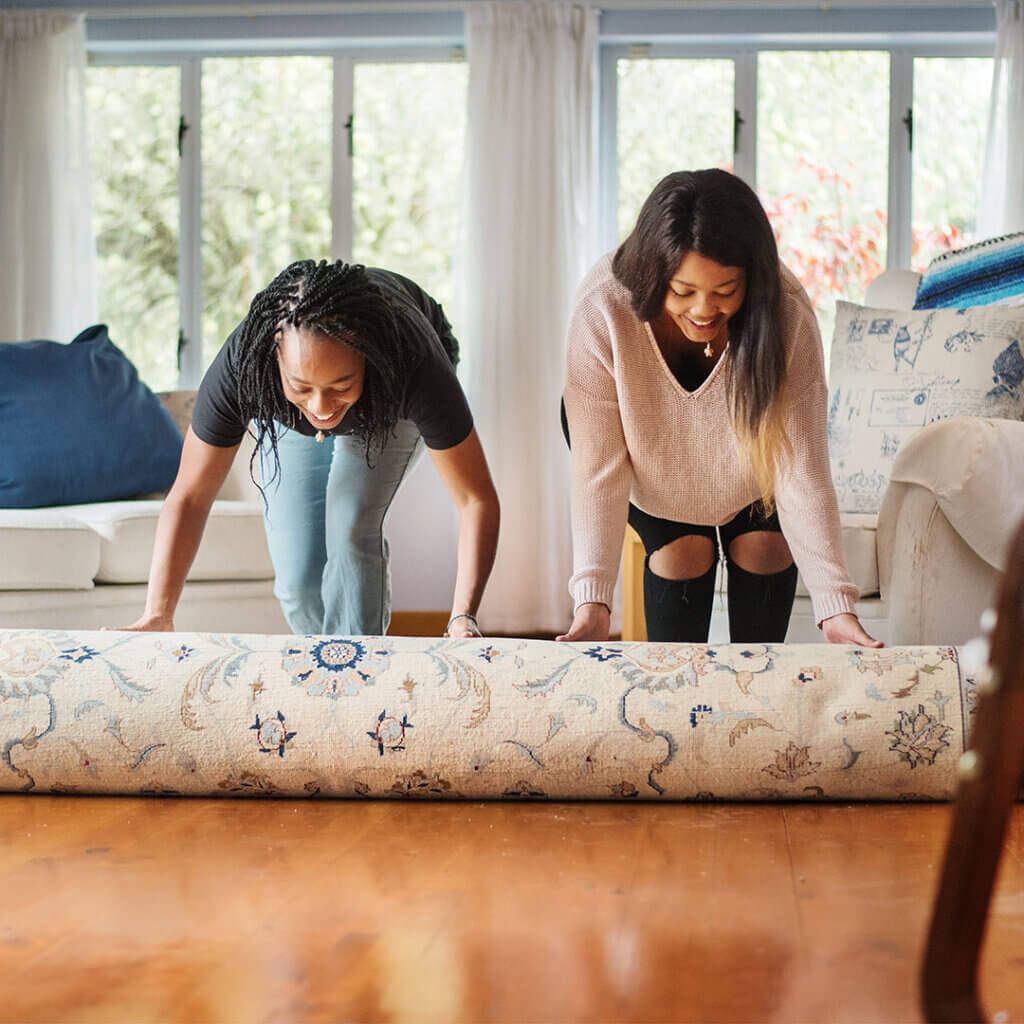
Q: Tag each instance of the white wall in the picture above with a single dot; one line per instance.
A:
(422, 530)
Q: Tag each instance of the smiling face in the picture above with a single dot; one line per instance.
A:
(702, 296)
(323, 377)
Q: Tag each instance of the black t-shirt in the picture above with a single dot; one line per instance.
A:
(433, 398)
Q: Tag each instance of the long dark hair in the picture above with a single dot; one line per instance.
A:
(340, 301)
(716, 214)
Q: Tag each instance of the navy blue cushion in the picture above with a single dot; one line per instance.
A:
(77, 425)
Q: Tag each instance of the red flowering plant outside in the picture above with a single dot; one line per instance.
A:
(836, 246)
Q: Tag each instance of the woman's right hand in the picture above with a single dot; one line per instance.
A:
(592, 621)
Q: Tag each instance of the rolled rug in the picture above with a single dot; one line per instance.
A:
(493, 718)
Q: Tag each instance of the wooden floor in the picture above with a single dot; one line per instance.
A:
(152, 909)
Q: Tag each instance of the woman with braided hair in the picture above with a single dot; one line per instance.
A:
(344, 373)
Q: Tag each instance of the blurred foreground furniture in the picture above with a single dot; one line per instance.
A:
(991, 774)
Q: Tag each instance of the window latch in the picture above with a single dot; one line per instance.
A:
(350, 128)
(181, 346)
(737, 122)
(183, 127)
(908, 121)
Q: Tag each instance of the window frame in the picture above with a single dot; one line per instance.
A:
(435, 32)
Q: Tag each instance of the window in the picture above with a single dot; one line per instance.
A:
(266, 152)
(812, 136)
(271, 173)
(406, 182)
(947, 164)
(674, 114)
(822, 168)
(133, 120)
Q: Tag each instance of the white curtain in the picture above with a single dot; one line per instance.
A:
(528, 227)
(47, 251)
(1001, 194)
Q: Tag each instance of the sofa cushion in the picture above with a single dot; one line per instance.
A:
(986, 273)
(45, 549)
(179, 404)
(234, 546)
(893, 371)
(79, 426)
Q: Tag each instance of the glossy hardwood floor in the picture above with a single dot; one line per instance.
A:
(151, 909)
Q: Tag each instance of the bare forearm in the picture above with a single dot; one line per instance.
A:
(478, 542)
(178, 533)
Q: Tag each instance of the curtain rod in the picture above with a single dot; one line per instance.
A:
(249, 10)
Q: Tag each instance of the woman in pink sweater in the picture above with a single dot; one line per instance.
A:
(695, 401)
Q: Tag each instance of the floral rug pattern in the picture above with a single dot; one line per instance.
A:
(427, 718)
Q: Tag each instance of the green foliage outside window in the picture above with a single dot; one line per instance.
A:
(266, 127)
(407, 164)
(133, 122)
(266, 169)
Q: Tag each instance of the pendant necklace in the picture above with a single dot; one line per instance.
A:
(319, 437)
(708, 351)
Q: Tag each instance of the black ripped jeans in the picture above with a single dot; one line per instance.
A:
(679, 611)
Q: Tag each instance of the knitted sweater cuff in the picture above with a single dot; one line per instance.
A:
(835, 603)
(587, 589)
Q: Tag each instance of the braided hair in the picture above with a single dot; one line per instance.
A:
(340, 301)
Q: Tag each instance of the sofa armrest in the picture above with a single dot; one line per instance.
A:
(955, 493)
(974, 466)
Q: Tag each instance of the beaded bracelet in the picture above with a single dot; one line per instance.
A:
(463, 615)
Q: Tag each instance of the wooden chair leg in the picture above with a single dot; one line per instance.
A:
(991, 772)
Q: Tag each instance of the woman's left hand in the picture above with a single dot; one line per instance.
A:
(846, 629)
(462, 626)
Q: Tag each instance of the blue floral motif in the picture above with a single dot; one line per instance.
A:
(79, 654)
(336, 667)
(390, 732)
(809, 675)
(698, 714)
(181, 652)
(489, 654)
(272, 735)
(602, 653)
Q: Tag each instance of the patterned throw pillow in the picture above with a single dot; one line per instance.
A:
(988, 273)
(893, 371)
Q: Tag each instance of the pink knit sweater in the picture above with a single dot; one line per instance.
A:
(638, 435)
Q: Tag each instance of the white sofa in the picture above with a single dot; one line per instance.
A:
(86, 566)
